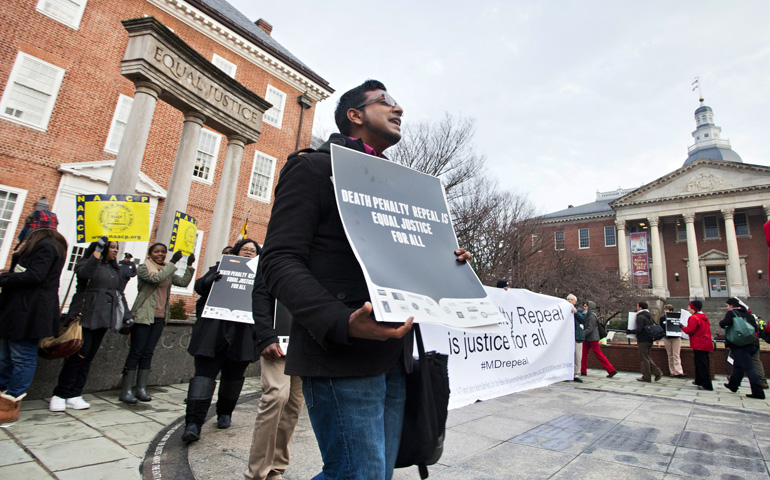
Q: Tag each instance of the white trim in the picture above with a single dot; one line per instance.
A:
(225, 65)
(75, 19)
(209, 180)
(7, 242)
(588, 239)
(276, 109)
(15, 72)
(123, 100)
(209, 27)
(270, 181)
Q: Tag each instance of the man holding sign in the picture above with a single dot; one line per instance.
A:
(348, 362)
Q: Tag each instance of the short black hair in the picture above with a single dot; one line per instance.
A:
(643, 305)
(237, 247)
(351, 99)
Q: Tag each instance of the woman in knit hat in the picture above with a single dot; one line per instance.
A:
(29, 307)
(699, 330)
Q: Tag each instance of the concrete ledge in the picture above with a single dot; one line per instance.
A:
(170, 364)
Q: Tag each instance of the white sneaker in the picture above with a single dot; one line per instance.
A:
(57, 404)
(77, 403)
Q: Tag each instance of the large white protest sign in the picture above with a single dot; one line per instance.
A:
(230, 297)
(533, 346)
(397, 222)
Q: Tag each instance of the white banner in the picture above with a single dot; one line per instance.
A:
(534, 346)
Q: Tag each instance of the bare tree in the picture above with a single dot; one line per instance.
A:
(443, 149)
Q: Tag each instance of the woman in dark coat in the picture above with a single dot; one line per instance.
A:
(98, 301)
(29, 307)
(742, 353)
(218, 345)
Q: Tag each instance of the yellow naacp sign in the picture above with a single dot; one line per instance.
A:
(117, 217)
(183, 235)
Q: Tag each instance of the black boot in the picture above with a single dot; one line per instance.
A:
(229, 391)
(125, 387)
(198, 401)
(732, 387)
(141, 386)
(756, 391)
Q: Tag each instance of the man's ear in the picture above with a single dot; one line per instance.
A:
(355, 117)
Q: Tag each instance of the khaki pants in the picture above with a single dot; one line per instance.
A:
(673, 347)
(578, 357)
(277, 414)
(648, 367)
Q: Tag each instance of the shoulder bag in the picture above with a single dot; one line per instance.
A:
(66, 343)
(425, 412)
(741, 332)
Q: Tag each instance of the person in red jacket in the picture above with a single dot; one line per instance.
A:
(699, 330)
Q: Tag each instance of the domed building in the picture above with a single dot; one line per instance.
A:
(696, 232)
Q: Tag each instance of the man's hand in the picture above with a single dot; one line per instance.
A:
(273, 352)
(574, 310)
(362, 325)
(462, 255)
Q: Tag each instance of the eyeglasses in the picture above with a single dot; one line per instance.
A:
(385, 96)
(249, 250)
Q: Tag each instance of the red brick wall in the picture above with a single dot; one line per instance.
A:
(605, 257)
(80, 122)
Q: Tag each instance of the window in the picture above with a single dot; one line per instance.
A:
(681, 232)
(609, 236)
(583, 238)
(558, 240)
(710, 227)
(536, 241)
(11, 203)
(261, 185)
(75, 255)
(31, 91)
(68, 12)
(274, 116)
(118, 126)
(206, 158)
(741, 225)
(227, 67)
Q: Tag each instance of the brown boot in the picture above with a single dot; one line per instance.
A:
(9, 407)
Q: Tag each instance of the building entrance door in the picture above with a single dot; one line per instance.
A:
(717, 278)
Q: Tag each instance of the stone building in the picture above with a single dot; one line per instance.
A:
(186, 101)
(696, 232)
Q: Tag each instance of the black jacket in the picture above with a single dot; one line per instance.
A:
(643, 318)
(98, 293)
(212, 337)
(29, 302)
(309, 266)
(263, 311)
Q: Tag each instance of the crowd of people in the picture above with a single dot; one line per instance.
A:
(341, 359)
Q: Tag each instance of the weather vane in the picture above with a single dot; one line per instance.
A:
(696, 85)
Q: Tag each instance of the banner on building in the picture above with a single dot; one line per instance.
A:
(184, 234)
(230, 296)
(640, 258)
(397, 221)
(123, 218)
(533, 346)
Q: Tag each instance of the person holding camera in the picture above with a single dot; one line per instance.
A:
(151, 309)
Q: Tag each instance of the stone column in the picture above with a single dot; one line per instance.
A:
(737, 287)
(766, 209)
(181, 175)
(223, 210)
(658, 284)
(693, 261)
(620, 226)
(129, 162)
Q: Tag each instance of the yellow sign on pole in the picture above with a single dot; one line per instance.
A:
(184, 233)
(117, 217)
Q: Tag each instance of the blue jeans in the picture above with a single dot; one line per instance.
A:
(357, 423)
(18, 360)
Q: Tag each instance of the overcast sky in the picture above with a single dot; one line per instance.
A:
(569, 97)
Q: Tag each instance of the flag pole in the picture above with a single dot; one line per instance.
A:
(240, 227)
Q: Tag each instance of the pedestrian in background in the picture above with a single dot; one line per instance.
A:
(673, 344)
(127, 270)
(580, 336)
(29, 306)
(699, 329)
(644, 344)
(218, 346)
(151, 309)
(591, 342)
(98, 301)
(741, 354)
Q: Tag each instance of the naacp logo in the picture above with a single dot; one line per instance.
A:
(189, 236)
(116, 218)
